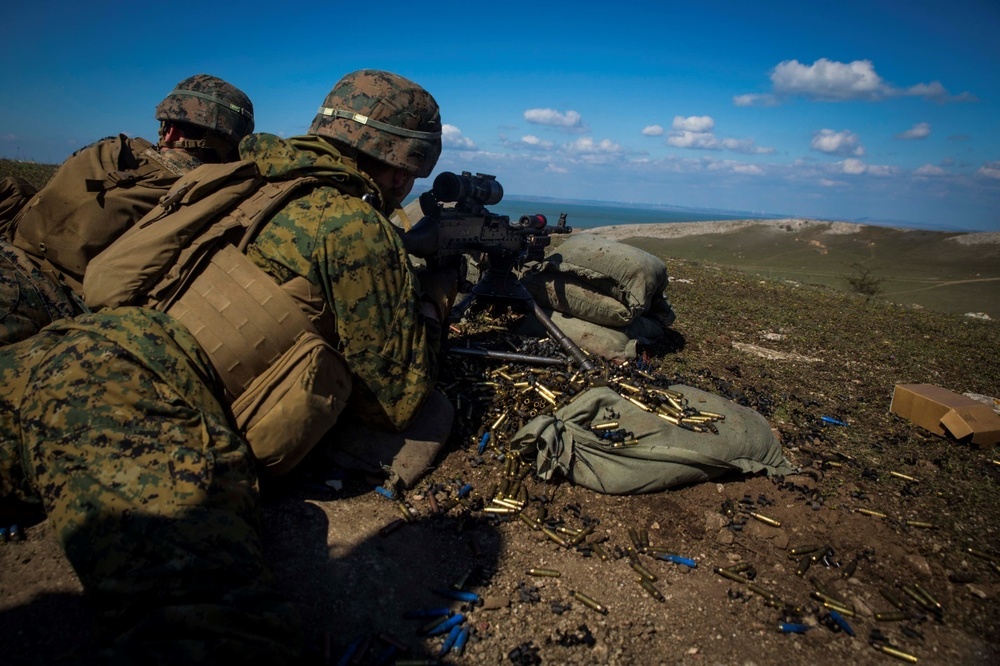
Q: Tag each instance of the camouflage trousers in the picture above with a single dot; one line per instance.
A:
(108, 420)
(29, 300)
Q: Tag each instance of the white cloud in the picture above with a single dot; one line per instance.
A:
(533, 142)
(918, 131)
(551, 117)
(827, 182)
(755, 100)
(829, 80)
(990, 170)
(929, 170)
(588, 145)
(837, 143)
(853, 167)
(652, 130)
(555, 168)
(693, 123)
(688, 139)
(733, 166)
(747, 146)
(451, 137)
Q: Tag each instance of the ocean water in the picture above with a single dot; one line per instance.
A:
(587, 215)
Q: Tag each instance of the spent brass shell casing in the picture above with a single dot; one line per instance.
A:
(927, 596)
(555, 537)
(764, 519)
(735, 577)
(629, 387)
(500, 510)
(718, 417)
(578, 539)
(544, 573)
(601, 552)
(633, 536)
(644, 539)
(975, 552)
(500, 419)
(913, 594)
(508, 503)
(605, 425)
(590, 603)
(738, 567)
(804, 563)
(404, 511)
(764, 592)
(642, 571)
(822, 597)
(898, 654)
(904, 477)
(529, 521)
(843, 610)
(802, 550)
(869, 512)
(667, 417)
(651, 590)
(641, 405)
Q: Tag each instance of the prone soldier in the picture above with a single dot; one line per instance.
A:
(124, 416)
(100, 191)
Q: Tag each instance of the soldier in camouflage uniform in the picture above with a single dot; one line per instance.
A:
(113, 422)
(100, 191)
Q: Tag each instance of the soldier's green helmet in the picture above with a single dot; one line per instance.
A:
(209, 102)
(384, 116)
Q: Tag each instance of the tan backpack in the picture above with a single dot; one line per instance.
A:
(95, 195)
(286, 385)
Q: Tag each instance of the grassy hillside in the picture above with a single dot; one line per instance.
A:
(36, 174)
(929, 269)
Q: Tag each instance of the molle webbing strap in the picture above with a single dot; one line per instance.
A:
(385, 127)
(240, 316)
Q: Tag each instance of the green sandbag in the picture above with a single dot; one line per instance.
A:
(665, 456)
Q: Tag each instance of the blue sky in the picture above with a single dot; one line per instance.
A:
(886, 110)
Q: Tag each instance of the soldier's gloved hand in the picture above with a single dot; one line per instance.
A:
(439, 283)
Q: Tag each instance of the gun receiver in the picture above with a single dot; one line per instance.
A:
(468, 227)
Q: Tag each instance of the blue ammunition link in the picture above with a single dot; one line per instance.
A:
(442, 611)
(677, 559)
(16, 533)
(385, 492)
(446, 626)
(483, 441)
(841, 622)
(3, 535)
(348, 654)
(459, 595)
(792, 628)
(832, 421)
(465, 490)
(449, 640)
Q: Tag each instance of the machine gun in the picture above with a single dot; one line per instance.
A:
(456, 221)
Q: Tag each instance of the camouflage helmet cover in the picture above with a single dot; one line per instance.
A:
(209, 102)
(384, 116)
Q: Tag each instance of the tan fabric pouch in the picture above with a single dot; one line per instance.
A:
(287, 409)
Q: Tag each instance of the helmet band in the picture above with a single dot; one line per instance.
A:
(385, 127)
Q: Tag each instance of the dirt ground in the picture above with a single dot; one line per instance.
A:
(895, 509)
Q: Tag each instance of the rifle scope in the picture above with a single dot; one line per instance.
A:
(481, 188)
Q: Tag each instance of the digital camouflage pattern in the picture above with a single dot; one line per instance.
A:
(355, 259)
(109, 422)
(28, 299)
(208, 101)
(407, 129)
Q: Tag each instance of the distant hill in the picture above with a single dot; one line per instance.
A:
(953, 272)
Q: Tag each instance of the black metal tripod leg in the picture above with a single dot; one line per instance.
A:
(568, 345)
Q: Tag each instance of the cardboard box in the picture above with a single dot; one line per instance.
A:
(947, 413)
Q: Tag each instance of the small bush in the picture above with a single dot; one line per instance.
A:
(864, 282)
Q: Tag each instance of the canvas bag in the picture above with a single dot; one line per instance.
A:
(285, 383)
(601, 281)
(94, 196)
(665, 457)
(15, 192)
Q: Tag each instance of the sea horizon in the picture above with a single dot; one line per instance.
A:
(589, 214)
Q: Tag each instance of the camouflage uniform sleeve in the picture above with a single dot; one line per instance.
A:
(360, 264)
